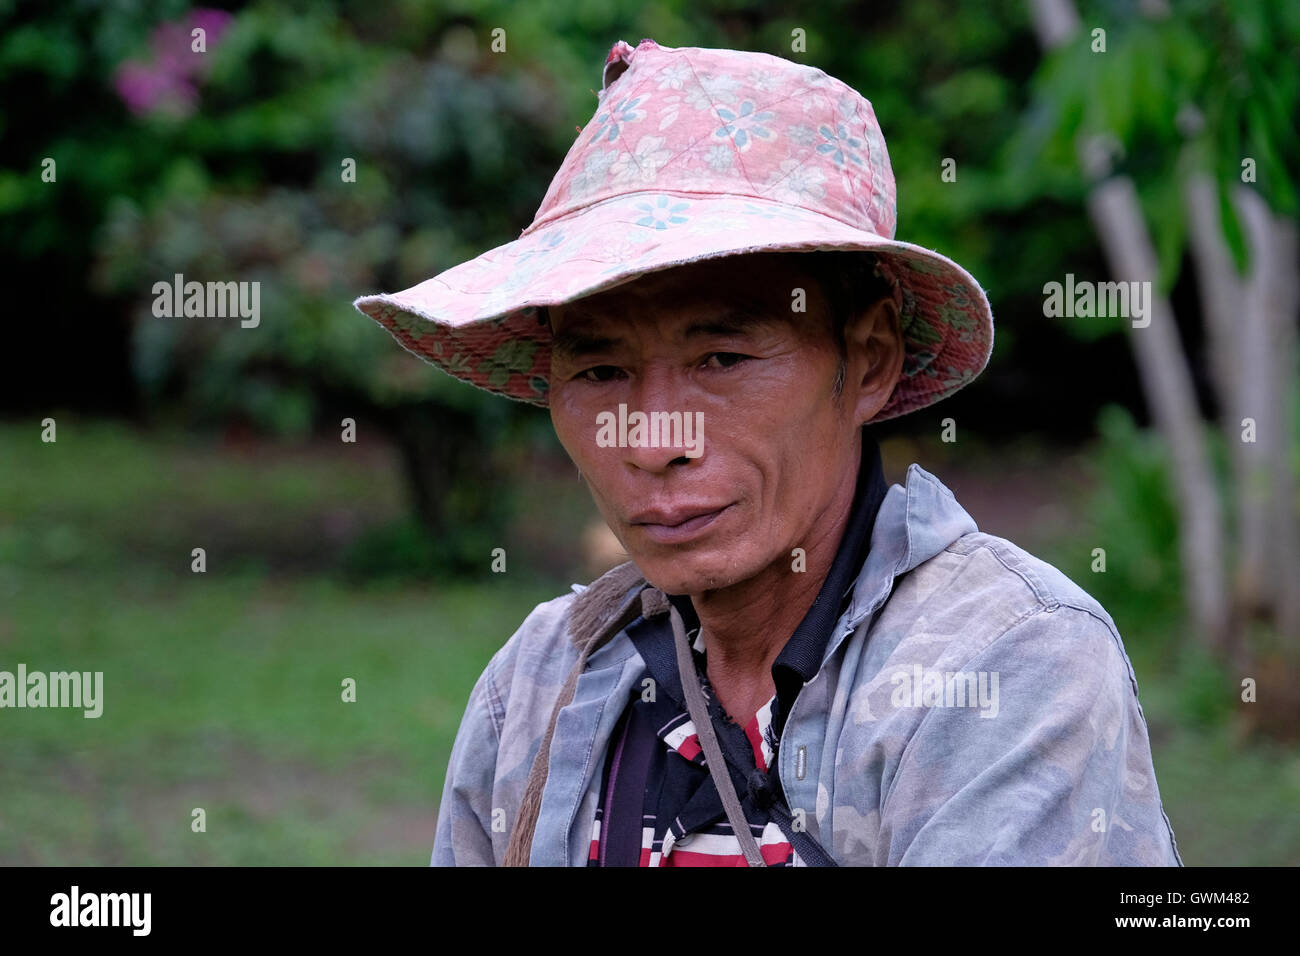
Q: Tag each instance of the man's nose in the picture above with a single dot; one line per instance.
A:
(660, 393)
(655, 456)
(658, 386)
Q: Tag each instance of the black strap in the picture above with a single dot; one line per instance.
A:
(804, 843)
(623, 820)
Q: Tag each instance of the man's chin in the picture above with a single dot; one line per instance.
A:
(688, 572)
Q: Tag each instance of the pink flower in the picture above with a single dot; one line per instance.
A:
(167, 81)
(214, 24)
(145, 89)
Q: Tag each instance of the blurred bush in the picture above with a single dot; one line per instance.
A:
(250, 186)
(1133, 516)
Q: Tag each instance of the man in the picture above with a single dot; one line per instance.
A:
(799, 665)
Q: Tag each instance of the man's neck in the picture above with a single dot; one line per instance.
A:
(747, 625)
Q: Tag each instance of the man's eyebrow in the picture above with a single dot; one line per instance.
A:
(578, 342)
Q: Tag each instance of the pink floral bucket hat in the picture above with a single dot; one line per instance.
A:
(692, 154)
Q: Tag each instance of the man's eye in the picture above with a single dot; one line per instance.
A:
(599, 373)
(725, 359)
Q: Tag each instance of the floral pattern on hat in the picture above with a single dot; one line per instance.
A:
(691, 154)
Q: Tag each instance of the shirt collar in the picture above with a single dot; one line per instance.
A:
(914, 523)
(801, 658)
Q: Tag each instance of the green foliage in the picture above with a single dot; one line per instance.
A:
(1200, 88)
(403, 550)
(1133, 515)
(455, 145)
(1205, 697)
(1136, 468)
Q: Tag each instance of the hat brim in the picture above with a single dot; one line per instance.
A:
(479, 320)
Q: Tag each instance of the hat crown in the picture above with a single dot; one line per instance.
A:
(692, 120)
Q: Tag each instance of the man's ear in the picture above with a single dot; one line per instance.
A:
(874, 342)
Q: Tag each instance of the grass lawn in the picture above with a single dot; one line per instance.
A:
(225, 693)
(222, 690)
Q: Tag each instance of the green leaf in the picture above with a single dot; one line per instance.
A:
(1162, 202)
(1232, 234)
(1271, 173)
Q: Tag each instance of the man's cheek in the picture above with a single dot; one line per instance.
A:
(568, 429)
(589, 474)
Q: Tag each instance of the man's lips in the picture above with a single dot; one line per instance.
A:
(676, 525)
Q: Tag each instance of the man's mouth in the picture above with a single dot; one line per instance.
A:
(677, 525)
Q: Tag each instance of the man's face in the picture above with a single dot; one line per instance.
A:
(716, 341)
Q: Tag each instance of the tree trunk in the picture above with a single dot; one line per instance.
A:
(1252, 338)
(1166, 381)
(446, 470)
(1284, 306)
(1167, 385)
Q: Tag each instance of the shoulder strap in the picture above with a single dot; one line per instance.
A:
(595, 615)
(804, 843)
(604, 608)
